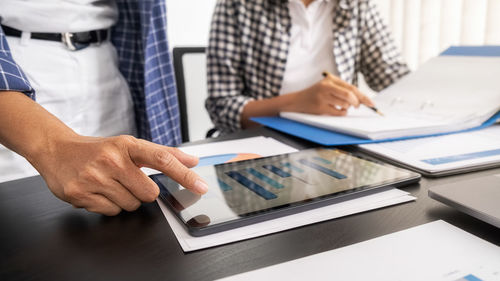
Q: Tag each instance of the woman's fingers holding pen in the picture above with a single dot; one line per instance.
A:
(322, 98)
(343, 87)
(344, 95)
(329, 96)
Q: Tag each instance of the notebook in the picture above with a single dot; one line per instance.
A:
(442, 96)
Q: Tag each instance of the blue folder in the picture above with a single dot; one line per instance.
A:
(329, 138)
(479, 51)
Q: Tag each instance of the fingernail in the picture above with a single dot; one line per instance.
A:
(200, 187)
(196, 159)
(192, 156)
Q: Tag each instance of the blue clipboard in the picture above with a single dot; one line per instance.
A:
(329, 138)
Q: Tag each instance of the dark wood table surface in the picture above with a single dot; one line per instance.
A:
(43, 238)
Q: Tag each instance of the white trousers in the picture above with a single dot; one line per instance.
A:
(84, 89)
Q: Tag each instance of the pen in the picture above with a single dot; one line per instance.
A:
(327, 74)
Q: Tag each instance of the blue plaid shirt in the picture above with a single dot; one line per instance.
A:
(140, 38)
(12, 78)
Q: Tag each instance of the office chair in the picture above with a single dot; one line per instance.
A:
(190, 76)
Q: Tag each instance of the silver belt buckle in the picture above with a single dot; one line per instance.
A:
(99, 39)
(67, 39)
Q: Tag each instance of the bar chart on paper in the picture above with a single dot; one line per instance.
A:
(444, 154)
(478, 273)
(236, 150)
(469, 277)
(461, 157)
(443, 252)
(226, 158)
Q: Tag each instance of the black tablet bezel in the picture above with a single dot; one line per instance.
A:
(286, 209)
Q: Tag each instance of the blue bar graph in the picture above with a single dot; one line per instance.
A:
(469, 277)
(277, 171)
(265, 178)
(322, 160)
(461, 157)
(259, 190)
(224, 186)
(322, 169)
(293, 167)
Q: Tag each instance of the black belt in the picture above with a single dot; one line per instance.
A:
(73, 41)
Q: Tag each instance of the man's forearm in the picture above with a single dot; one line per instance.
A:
(101, 175)
(26, 127)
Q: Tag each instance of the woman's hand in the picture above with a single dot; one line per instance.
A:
(330, 96)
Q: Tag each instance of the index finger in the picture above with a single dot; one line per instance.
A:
(361, 97)
(164, 159)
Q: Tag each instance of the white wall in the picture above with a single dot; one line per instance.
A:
(424, 28)
(189, 22)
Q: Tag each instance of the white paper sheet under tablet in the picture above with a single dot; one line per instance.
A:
(433, 251)
(358, 205)
(228, 151)
(442, 153)
(256, 146)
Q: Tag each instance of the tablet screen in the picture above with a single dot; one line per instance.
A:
(254, 187)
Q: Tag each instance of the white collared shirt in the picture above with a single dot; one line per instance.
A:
(84, 89)
(311, 44)
(56, 16)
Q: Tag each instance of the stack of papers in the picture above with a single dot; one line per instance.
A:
(442, 155)
(370, 202)
(446, 94)
(216, 153)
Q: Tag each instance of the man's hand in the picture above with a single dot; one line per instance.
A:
(103, 175)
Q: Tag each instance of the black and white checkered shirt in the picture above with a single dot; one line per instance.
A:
(248, 47)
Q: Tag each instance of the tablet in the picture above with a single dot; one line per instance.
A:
(245, 192)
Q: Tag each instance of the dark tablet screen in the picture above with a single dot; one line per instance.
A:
(241, 190)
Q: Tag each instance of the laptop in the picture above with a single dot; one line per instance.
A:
(479, 197)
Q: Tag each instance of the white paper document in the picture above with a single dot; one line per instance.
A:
(358, 205)
(446, 94)
(233, 150)
(434, 251)
(480, 148)
(251, 147)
